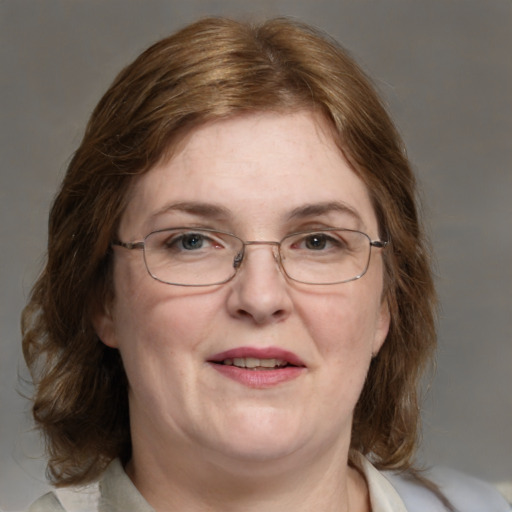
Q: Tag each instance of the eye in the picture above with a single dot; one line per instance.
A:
(319, 242)
(189, 242)
(316, 241)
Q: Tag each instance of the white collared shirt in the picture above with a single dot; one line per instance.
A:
(389, 492)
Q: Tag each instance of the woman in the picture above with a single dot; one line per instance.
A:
(237, 305)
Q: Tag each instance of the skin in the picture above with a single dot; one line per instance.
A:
(202, 441)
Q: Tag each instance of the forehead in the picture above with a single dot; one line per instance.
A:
(259, 168)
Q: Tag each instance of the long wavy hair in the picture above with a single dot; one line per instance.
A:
(213, 69)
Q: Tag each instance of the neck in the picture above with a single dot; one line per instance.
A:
(200, 482)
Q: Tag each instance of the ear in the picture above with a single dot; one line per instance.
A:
(381, 327)
(104, 325)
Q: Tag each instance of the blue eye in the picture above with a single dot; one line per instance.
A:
(184, 242)
(178, 241)
(190, 241)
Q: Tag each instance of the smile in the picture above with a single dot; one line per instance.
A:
(258, 368)
(254, 363)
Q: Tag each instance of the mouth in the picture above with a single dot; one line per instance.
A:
(251, 358)
(254, 363)
(258, 367)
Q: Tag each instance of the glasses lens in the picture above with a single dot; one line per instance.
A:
(191, 257)
(325, 256)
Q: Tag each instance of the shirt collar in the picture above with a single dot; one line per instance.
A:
(118, 494)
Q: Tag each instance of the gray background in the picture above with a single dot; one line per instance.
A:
(445, 70)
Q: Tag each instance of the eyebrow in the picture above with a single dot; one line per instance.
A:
(317, 209)
(194, 208)
(210, 210)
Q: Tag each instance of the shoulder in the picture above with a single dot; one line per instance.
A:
(46, 503)
(466, 493)
(67, 500)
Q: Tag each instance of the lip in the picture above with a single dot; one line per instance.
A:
(259, 379)
(258, 353)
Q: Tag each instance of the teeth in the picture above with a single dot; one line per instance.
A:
(253, 362)
(270, 363)
(250, 362)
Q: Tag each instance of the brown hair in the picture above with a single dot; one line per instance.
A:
(211, 69)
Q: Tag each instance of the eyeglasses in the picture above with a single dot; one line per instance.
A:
(206, 257)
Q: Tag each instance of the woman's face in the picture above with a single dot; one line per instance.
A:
(261, 177)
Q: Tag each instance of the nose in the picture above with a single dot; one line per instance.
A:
(259, 292)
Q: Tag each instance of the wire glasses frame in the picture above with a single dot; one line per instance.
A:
(184, 256)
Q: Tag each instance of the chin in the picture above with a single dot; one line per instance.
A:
(261, 437)
(259, 451)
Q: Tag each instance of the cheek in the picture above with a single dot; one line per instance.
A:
(342, 324)
(342, 330)
(153, 319)
(160, 336)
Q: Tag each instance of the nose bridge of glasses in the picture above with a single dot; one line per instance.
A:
(241, 255)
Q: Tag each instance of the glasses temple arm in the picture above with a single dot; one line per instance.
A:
(129, 245)
(380, 244)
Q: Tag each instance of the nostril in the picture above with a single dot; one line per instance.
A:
(280, 313)
(261, 317)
